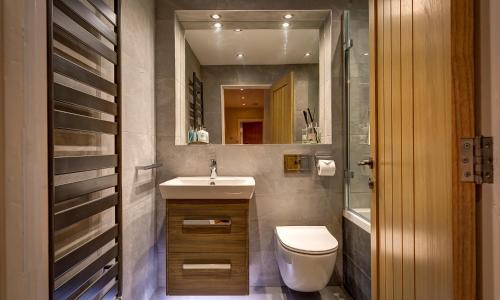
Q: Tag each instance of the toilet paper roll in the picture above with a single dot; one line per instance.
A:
(326, 167)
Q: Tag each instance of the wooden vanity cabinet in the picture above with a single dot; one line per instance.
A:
(207, 247)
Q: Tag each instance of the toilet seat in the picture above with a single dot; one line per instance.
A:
(310, 240)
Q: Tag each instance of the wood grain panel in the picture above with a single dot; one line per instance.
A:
(282, 110)
(464, 194)
(396, 149)
(407, 160)
(433, 148)
(207, 239)
(207, 282)
(221, 244)
(388, 172)
(3, 198)
(380, 158)
(422, 82)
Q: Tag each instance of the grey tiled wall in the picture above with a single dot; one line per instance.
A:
(138, 133)
(357, 268)
(279, 199)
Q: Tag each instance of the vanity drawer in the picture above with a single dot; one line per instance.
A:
(207, 274)
(207, 226)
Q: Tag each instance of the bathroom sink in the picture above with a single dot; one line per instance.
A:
(205, 188)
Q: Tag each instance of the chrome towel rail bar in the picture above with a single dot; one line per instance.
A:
(149, 167)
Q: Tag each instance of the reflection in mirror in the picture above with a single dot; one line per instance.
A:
(253, 77)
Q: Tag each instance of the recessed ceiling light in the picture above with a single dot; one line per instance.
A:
(242, 98)
(215, 16)
(285, 25)
(288, 16)
(218, 25)
(365, 54)
(307, 54)
(244, 104)
(242, 89)
(239, 55)
(238, 30)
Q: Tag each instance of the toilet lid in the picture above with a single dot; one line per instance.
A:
(307, 239)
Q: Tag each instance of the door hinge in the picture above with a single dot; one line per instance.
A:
(476, 160)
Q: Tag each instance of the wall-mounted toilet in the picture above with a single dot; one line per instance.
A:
(306, 256)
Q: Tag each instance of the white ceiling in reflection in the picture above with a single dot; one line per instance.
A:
(258, 46)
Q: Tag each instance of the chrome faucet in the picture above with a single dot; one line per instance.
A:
(213, 169)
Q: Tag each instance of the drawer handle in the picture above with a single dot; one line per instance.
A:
(209, 222)
(206, 266)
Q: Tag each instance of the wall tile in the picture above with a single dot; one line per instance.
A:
(139, 263)
(357, 245)
(138, 150)
(355, 282)
(138, 138)
(137, 186)
(360, 200)
(356, 260)
(137, 85)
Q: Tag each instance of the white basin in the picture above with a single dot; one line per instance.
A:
(205, 188)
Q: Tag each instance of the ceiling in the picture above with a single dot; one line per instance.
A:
(252, 19)
(262, 41)
(258, 46)
(252, 98)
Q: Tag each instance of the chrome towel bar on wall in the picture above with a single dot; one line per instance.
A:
(148, 167)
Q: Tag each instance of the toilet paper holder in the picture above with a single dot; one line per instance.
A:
(320, 156)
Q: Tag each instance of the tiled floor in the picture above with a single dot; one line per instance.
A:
(268, 293)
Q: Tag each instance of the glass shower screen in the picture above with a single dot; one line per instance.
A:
(355, 38)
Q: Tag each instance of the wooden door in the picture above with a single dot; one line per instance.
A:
(423, 217)
(252, 132)
(282, 110)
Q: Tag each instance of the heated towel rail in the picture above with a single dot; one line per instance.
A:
(84, 122)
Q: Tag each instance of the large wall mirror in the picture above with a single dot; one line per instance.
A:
(253, 77)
